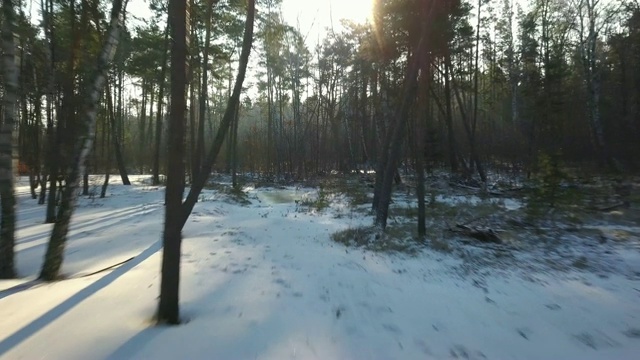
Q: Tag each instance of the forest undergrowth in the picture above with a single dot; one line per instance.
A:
(557, 222)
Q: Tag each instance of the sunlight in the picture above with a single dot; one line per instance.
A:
(356, 10)
(325, 13)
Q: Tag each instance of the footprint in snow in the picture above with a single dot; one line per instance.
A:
(423, 346)
(282, 282)
(633, 333)
(553, 306)
(596, 341)
(392, 328)
(460, 352)
(438, 326)
(383, 310)
(524, 332)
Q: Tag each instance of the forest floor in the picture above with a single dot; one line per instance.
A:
(295, 272)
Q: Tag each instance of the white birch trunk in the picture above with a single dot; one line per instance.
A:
(55, 250)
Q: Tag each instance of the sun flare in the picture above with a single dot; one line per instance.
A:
(325, 13)
(355, 10)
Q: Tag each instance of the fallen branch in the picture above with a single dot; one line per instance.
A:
(613, 207)
(476, 189)
(454, 184)
(106, 268)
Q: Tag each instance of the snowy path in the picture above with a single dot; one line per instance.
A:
(266, 282)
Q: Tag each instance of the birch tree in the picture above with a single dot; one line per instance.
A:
(83, 145)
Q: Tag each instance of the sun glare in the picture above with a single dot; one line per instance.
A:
(321, 14)
(355, 10)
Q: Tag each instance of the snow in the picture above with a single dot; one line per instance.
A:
(265, 281)
(507, 203)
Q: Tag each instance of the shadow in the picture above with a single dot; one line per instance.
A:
(131, 347)
(18, 288)
(51, 315)
(106, 221)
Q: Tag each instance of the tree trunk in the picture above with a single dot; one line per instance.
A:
(142, 145)
(85, 181)
(55, 251)
(234, 149)
(46, 9)
(402, 114)
(453, 156)
(232, 104)
(475, 158)
(168, 309)
(163, 72)
(398, 130)
(7, 195)
(114, 139)
(199, 153)
(419, 151)
(107, 170)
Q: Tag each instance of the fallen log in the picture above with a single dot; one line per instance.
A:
(624, 204)
(476, 189)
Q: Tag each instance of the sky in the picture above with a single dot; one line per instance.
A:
(311, 17)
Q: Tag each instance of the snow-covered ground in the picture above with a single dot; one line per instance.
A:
(265, 281)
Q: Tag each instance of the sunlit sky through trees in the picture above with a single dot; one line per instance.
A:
(312, 18)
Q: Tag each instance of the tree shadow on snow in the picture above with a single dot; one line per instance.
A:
(129, 349)
(45, 319)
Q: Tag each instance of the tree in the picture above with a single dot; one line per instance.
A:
(168, 308)
(417, 57)
(159, 115)
(593, 18)
(7, 196)
(83, 145)
(178, 212)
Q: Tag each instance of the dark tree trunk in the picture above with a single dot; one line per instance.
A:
(419, 151)
(475, 158)
(199, 152)
(115, 141)
(168, 308)
(453, 157)
(234, 149)
(85, 181)
(223, 130)
(53, 184)
(163, 72)
(105, 184)
(398, 130)
(7, 195)
(143, 129)
(107, 170)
